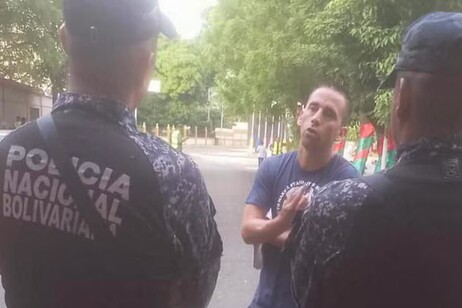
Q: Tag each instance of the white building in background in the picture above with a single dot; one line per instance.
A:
(19, 100)
(154, 86)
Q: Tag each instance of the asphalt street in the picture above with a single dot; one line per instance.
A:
(228, 174)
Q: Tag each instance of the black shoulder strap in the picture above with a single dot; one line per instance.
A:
(70, 177)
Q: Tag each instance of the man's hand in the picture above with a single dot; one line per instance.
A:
(256, 229)
(295, 202)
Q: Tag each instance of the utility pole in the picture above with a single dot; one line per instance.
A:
(209, 95)
(222, 114)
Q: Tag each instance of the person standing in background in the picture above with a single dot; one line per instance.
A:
(262, 153)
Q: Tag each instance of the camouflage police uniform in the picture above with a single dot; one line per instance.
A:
(152, 199)
(329, 219)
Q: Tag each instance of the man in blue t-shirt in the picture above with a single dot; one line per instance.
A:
(283, 186)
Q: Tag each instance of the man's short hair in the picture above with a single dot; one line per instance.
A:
(338, 89)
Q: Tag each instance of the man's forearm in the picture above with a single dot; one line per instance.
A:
(280, 240)
(259, 231)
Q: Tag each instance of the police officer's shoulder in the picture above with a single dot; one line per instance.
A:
(20, 134)
(343, 194)
(167, 162)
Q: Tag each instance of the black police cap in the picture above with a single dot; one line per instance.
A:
(116, 21)
(432, 44)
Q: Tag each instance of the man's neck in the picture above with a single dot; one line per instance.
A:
(313, 160)
(114, 93)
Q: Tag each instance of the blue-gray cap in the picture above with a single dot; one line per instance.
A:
(432, 44)
(116, 21)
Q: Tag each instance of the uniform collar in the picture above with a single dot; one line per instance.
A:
(431, 149)
(107, 108)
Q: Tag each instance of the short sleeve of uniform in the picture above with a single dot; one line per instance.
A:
(190, 215)
(260, 195)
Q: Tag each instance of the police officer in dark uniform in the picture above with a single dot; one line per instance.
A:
(95, 213)
(395, 239)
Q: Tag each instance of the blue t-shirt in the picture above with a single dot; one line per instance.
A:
(277, 176)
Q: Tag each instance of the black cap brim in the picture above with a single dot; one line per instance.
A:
(116, 22)
(167, 27)
(390, 81)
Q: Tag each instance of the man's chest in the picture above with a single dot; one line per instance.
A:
(290, 180)
(285, 189)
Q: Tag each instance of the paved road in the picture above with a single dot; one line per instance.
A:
(229, 175)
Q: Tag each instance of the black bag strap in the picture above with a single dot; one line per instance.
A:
(79, 193)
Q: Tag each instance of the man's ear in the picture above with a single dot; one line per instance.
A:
(299, 116)
(299, 122)
(403, 103)
(64, 38)
(342, 133)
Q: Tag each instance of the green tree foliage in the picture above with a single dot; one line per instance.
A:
(29, 47)
(186, 81)
(266, 51)
(30, 53)
(180, 71)
(258, 55)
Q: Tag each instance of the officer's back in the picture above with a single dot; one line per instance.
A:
(164, 249)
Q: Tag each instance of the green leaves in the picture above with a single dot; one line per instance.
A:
(179, 70)
(382, 108)
(29, 47)
(254, 52)
(186, 78)
(279, 50)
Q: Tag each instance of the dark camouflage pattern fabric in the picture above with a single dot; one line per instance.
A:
(325, 224)
(188, 210)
